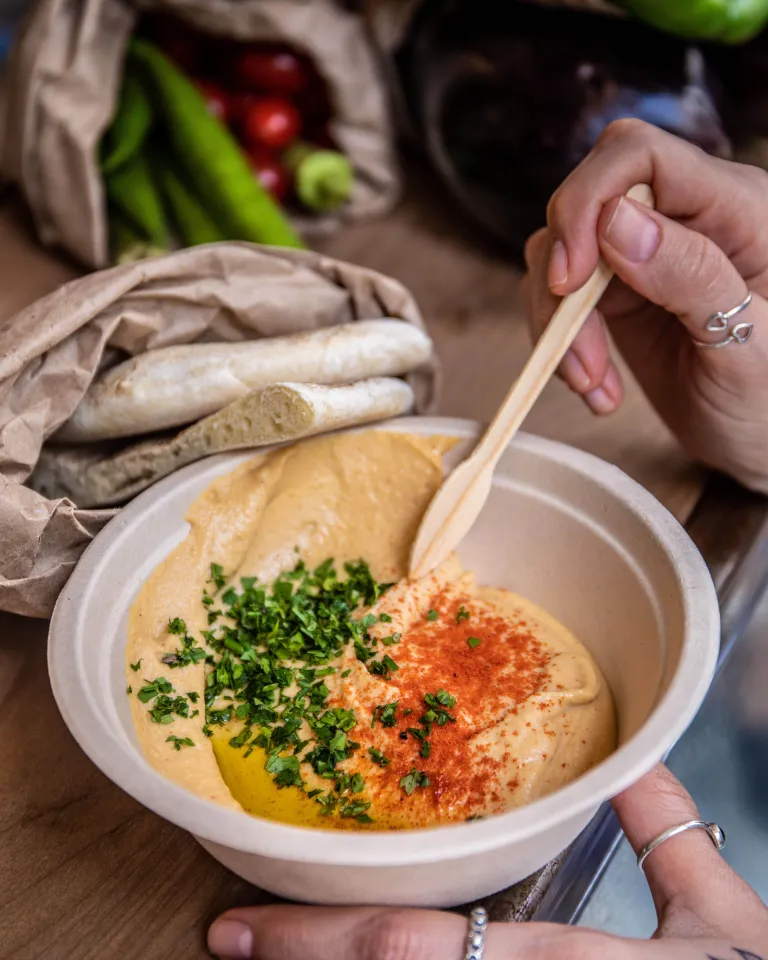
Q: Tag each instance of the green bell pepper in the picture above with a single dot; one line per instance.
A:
(726, 21)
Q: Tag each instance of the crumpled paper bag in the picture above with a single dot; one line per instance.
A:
(64, 80)
(51, 351)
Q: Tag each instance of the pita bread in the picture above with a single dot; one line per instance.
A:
(91, 476)
(177, 385)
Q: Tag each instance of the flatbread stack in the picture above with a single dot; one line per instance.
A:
(226, 396)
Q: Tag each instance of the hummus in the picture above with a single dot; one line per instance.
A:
(412, 704)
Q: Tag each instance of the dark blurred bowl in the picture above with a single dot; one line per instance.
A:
(508, 98)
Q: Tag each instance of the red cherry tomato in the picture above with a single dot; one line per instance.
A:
(271, 122)
(217, 101)
(272, 175)
(272, 70)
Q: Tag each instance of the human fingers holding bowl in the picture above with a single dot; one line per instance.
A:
(688, 310)
(704, 909)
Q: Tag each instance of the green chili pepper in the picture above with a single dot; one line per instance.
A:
(323, 178)
(191, 219)
(210, 156)
(132, 191)
(727, 21)
(130, 126)
(126, 244)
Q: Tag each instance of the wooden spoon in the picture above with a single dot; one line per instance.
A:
(460, 499)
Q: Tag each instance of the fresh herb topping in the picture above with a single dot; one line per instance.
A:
(390, 641)
(378, 757)
(463, 614)
(137, 666)
(385, 618)
(179, 742)
(383, 667)
(431, 617)
(189, 652)
(437, 712)
(473, 642)
(268, 652)
(414, 780)
(153, 688)
(129, 690)
(385, 714)
(217, 576)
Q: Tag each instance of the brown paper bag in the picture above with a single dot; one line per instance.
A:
(50, 353)
(64, 80)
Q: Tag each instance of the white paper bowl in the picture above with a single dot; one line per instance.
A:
(562, 528)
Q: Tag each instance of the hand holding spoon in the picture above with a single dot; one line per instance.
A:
(460, 499)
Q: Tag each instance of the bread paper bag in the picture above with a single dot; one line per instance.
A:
(51, 351)
(64, 79)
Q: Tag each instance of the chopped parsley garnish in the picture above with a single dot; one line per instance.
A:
(378, 757)
(137, 666)
(129, 690)
(436, 708)
(385, 714)
(153, 688)
(252, 649)
(383, 667)
(463, 614)
(217, 576)
(473, 642)
(189, 652)
(414, 780)
(268, 652)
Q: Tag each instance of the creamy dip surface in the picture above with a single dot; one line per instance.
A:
(441, 700)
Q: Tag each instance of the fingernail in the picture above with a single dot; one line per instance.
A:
(632, 232)
(558, 264)
(574, 372)
(600, 401)
(230, 940)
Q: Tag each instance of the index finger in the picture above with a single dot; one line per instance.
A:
(712, 196)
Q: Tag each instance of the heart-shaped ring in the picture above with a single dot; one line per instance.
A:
(720, 323)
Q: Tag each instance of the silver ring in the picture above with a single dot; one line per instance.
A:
(478, 924)
(721, 323)
(716, 835)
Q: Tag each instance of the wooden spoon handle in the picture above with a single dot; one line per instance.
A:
(560, 333)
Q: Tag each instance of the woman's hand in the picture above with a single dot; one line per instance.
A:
(706, 912)
(699, 253)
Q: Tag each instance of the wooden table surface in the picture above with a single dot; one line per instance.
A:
(87, 873)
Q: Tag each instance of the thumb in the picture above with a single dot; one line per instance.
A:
(681, 271)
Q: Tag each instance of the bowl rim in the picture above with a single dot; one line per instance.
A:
(216, 824)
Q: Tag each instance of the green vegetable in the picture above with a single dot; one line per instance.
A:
(130, 126)
(131, 191)
(211, 158)
(413, 780)
(323, 179)
(126, 243)
(192, 221)
(179, 742)
(728, 21)
(432, 616)
(474, 642)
